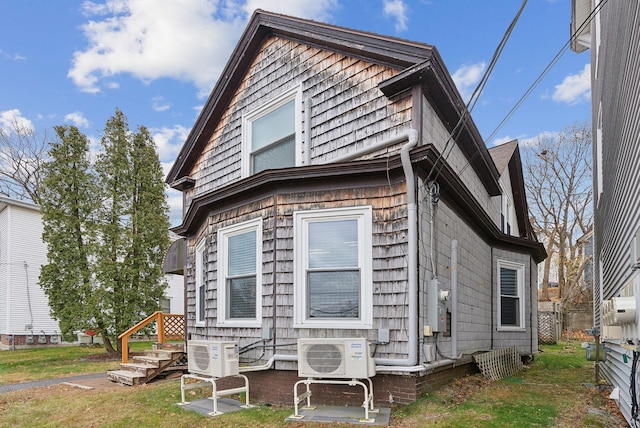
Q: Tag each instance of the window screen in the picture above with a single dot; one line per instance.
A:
(273, 139)
(509, 299)
(333, 274)
(241, 275)
(202, 284)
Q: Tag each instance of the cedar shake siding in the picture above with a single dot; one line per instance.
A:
(353, 100)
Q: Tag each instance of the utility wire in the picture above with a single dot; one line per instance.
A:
(541, 76)
(475, 96)
(549, 66)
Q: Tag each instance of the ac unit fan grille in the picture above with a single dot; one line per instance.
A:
(200, 355)
(324, 358)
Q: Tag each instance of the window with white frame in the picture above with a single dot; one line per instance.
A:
(240, 274)
(165, 305)
(333, 268)
(271, 135)
(506, 212)
(511, 295)
(201, 281)
(599, 181)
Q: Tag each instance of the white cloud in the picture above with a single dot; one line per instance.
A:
(11, 57)
(575, 88)
(398, 10)
(149, 39)
(174, 199)
(169, 141)
(536, 139)
(160, 104)
(319, 10)
(77, 119)
(12, 120)
(501, 140)
(467, 77)
(189, 40)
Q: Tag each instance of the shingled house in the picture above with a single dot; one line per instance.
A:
(334, 188)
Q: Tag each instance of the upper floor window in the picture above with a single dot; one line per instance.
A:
(333, 265)
(271, 135)
(507, 213)
(240, 274)
(511, 295)
(201, 281)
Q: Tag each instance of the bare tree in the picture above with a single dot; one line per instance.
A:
(22, 153)
(557, 169)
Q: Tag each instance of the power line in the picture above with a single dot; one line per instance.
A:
(476, 94)
(546, 70)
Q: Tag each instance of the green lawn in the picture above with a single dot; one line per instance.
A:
(552, 392)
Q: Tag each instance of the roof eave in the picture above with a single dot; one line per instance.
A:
(388, 51)
(437, 84)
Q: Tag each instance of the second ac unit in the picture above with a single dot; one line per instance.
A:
(335, 358)
(212, 358)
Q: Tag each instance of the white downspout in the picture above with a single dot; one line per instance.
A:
(410, 363)
(454, 297)
(389, 364)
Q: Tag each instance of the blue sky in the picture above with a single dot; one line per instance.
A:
(75, 62)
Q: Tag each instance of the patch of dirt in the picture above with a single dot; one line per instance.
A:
(459, 390)
(107, 357)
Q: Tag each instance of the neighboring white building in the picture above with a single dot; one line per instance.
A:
(24, 307)
(611, 33)
(173, 303)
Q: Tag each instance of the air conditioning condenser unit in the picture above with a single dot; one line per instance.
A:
(212, 358)
(348, 358)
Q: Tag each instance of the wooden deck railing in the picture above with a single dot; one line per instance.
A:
(170, 327)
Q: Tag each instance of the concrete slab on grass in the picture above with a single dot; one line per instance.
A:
(205, 406)
(351, 415)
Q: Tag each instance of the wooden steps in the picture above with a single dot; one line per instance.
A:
(142, 368)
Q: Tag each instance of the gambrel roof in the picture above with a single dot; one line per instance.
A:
(417, 64)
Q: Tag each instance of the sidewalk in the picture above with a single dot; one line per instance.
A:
(48, 382)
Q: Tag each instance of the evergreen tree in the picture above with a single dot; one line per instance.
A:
(128, 231)
(149, 223)
(114, 181)
(67, 201)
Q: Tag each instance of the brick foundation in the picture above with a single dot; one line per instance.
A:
(276, 386)
(21, 340)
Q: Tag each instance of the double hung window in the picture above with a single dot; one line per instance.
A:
(201, 281)
(270, 135)
(240, 275)
(332, 253)
(511, 292)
